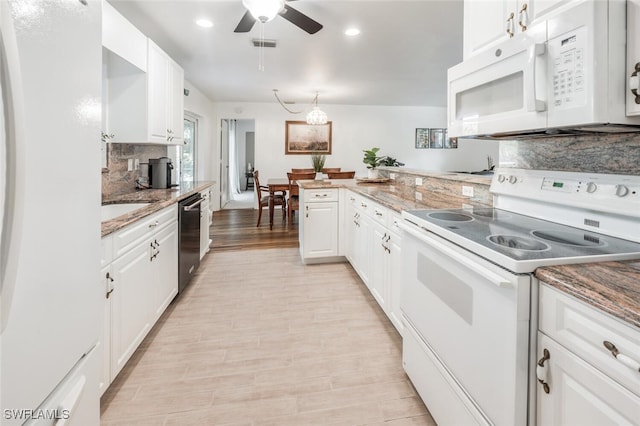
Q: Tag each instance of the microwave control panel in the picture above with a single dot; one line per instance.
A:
(568, 62)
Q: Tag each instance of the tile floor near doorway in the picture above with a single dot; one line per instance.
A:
(260, 339)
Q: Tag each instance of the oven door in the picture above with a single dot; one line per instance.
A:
(472, 319)
(502, 90)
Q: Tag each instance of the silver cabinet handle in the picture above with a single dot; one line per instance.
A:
(153, 225)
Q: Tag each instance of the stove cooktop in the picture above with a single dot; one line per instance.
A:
(518, 242)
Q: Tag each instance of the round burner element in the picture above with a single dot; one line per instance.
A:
(451, 217)
(576, 239)
(518, 243)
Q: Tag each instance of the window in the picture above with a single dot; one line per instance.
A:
(188, 157)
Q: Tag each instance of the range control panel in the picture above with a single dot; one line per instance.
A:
(618, 194)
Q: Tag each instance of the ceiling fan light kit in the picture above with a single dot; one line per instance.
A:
(264, 10)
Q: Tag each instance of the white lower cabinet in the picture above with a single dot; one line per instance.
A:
(581, 382)
(373, 247)
(318, 236)
(579, 394)
(139, 284)
(130, 304)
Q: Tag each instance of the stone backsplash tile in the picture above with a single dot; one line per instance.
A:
(442, 183)
(602, 153)
(116, 179)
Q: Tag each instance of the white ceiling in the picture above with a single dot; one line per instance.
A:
(400, 58)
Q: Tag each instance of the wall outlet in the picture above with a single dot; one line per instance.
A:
(392, 176)
(136, 164)
(418, 181)
(130, 164)
(467, 191)
(418, 196)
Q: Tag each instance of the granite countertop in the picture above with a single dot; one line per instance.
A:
(612, 287)
(387, 195)
(159, 199)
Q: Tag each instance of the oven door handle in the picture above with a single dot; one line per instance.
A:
(481, 270)
(193, 206)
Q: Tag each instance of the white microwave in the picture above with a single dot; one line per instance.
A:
(564, 75)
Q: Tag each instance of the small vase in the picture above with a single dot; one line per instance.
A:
(319, 176)
(372, 173)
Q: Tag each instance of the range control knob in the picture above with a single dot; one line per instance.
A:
(592, 187)
(621, 190)
(501, 178)
(513, 179)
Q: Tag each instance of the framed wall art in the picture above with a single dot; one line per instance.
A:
(422, 138)
(436, 138)
(303, 138)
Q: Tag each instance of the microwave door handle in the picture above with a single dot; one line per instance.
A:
(532, 101)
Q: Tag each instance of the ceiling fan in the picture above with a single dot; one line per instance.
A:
(266, 10)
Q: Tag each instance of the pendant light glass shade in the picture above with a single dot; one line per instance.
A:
(317, 116)
(264, 10)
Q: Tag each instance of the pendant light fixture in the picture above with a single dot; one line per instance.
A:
(316, 116)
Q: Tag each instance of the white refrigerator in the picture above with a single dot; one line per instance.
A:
(50, 297)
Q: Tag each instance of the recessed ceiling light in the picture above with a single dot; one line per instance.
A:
(204, 23)
(352, 32)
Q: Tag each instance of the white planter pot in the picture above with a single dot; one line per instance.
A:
(319, 176)
(372, 173)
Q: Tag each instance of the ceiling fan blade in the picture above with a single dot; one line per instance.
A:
(300, 19)
(246, 23)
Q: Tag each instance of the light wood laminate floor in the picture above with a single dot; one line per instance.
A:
(258, 338)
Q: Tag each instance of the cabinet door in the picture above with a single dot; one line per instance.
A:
(361, 247)
(175, 103)
(130, 306)
(320, 229)
(164, 263)
(106, 282)
(379, 265)
(157, 81)
(579, 394)
(394, 280)
(485, 24)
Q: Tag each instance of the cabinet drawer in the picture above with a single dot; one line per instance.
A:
(379, 213)
(320, 195)
(583, 330)
(127, 238)
(393, 223)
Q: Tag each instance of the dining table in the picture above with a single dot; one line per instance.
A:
(275, 185)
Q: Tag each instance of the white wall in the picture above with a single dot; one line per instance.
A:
(355, 128)
(207, 149)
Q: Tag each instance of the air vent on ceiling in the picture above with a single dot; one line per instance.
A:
(264, 43)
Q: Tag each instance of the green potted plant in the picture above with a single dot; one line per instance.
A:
(372, 161)
(390, 162)
(317, 161)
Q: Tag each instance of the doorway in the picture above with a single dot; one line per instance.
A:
(237, 159)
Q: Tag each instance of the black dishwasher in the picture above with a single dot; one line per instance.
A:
(189, 240)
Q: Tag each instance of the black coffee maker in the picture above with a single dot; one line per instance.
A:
(160, 172)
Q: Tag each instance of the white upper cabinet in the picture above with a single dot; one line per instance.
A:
(142, 86)
(488, 22)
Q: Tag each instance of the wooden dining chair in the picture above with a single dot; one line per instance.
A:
(341, 175)
(302, 171)
(293, 203)
(330, 170)
(263, 198)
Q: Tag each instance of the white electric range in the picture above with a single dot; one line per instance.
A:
(469, 294)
